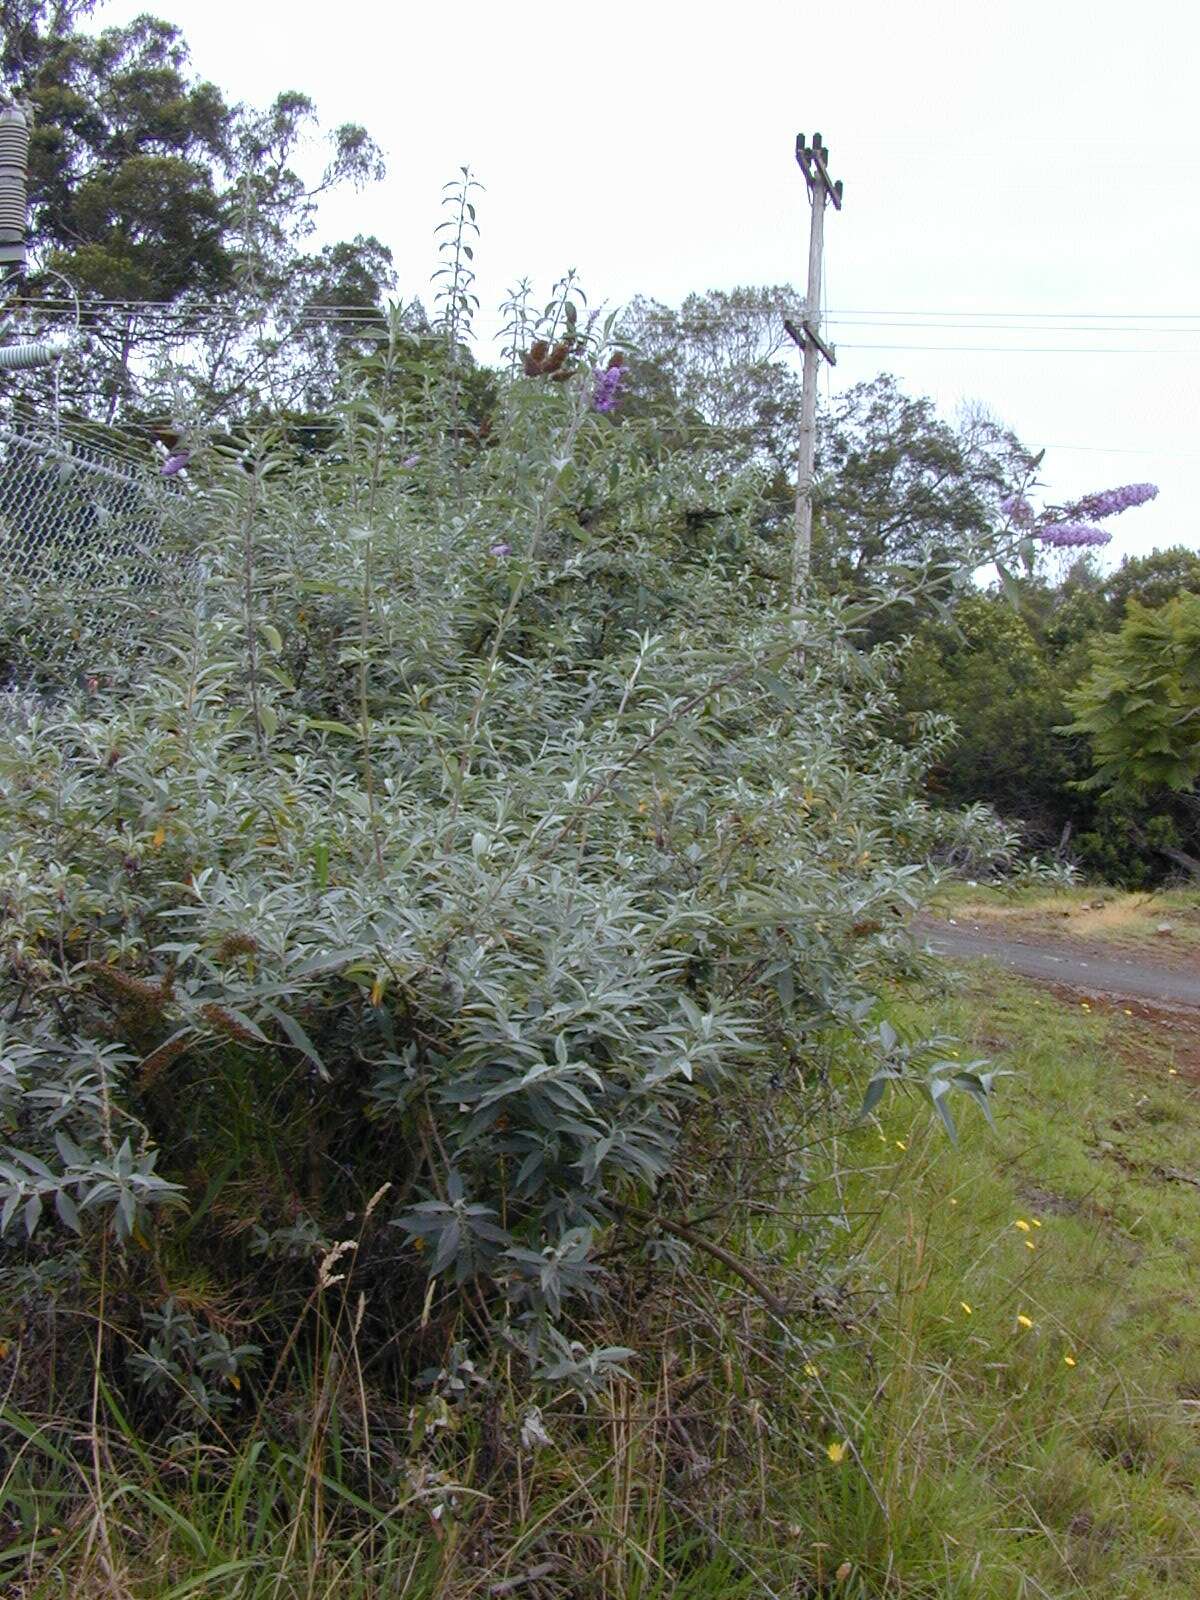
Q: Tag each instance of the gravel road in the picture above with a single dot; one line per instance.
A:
(1081, 967)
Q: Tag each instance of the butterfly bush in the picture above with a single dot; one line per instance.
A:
(1111, 502)
(506, 893)
(1017, 509)
(1073, 526)
(607, 391)
(1073, 535)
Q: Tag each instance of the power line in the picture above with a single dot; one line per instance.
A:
(1124, 450)
(359, 312)
(1020, 327)
(1091, 316)
(1020, 350)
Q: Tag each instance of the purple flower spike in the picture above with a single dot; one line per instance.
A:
(608, 388)
(410, 461)
(1017, 509)
(1111, 502)
(175, 463)
(500, 550)
(1072, 535)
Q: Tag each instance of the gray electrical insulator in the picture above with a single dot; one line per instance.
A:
(35, 353)
(14, 175)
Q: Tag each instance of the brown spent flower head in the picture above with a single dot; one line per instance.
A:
(236, 944)
(224, 1022)
(557, 356)
(543, 362)
(142, 990)
(158, 1060)
(535, 357)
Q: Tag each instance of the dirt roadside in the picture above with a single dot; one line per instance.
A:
(1090, 969)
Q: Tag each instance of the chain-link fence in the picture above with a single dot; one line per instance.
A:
(71, 510)
(82, 538)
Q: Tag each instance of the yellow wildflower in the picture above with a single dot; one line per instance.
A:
(1029, 1245)
(1069, 1360)
(1036, 1223)
(811, 1371)
(836, 1453)
(900, 1145)
(966, 1307)
(1022, 1224)
(1023, 1321)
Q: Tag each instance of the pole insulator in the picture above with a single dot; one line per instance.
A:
(14, 180)
(35, 353)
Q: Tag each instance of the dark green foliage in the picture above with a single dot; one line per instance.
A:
(123, 190)
(1140, 705)
(986, 669)
(1140, 709)
(1009, 679)
(1153, 579)
(147, 186)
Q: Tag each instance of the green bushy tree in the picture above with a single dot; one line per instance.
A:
(987, 670)
(146, 185)
(448, 882)
(1140, 710)
(1153, 580)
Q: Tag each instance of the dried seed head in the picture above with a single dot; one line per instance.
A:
(536, 357)
(225, 1022)
(557, 356)
(124, 983)
(160, 1059)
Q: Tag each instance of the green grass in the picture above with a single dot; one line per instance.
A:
(1062, 1458)
(979, 1460)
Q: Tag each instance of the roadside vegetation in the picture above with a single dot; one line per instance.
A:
(998, 1397)
(1164, 921)
(475, 1119)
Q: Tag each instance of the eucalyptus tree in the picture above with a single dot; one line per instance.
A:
(178, 218)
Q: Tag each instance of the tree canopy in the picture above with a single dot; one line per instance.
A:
(177, 217)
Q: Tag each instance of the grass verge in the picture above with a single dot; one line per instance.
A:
(995, 1393)
(1103, 915)
(1028, 1402)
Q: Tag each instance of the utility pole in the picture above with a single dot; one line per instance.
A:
(814, 162)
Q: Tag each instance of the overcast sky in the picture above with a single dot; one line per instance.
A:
(1023, 176)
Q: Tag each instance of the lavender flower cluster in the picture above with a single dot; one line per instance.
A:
(1111, 502)
(1017, 509)
(608, 388)
(1069, 535)
(1070, 527)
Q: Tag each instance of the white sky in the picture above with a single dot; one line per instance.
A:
(1031, 157)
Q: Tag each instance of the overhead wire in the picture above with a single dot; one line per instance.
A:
(1027, 349)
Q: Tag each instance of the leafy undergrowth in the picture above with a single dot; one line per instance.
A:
(1026, 1408)
(1105, 915)
(989, 1389)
